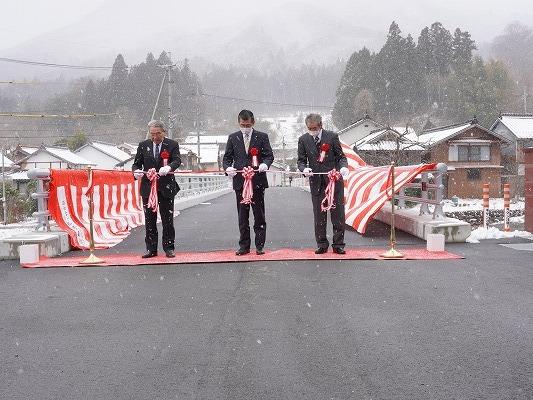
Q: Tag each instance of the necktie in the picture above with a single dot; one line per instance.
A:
(317, 139)
(246, 141)
(156, 153)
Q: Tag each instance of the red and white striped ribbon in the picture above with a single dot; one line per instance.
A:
(328, 203)
(247, 189)
(152, 199)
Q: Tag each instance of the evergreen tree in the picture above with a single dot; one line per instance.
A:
(118, 84)
(399, 80)
(357, 76)
(90, 103)
(462, 48)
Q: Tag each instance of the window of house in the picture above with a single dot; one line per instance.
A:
(473, 174)
(473, 153)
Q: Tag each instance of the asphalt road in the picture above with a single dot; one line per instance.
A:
(450, 329)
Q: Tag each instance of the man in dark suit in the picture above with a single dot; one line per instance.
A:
(163, 154)
(239, 154)
(310, 146)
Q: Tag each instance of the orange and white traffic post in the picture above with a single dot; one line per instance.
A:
(506, 206)
(485, 205)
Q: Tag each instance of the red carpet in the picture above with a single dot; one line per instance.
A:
(224, 256)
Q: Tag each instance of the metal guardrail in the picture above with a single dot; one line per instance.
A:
(427, 186)
(190, 184)
(194, 184)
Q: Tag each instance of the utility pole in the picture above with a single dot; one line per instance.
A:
(284, 160)
(525, 101)
(4, 200)
(168, 68)
(197, 98)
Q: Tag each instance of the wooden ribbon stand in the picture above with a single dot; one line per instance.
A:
(392, 252)
(92, 259)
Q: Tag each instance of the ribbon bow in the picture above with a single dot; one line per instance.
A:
(247, 189)
(328, 202)
(152, 199)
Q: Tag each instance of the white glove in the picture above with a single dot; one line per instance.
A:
(262, 167)
(231, 171)
(164, 170)
(307, 171)
(344, 172)
(138, 174)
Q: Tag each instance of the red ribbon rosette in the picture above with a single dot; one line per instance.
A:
(324, 148)
(165, 155)
(254, 152)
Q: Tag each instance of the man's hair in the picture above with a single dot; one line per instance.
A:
(313, 118)
(156, 124)
(246, 115)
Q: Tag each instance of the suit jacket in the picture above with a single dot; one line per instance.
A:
(236, 156)
(308, 157)
(144, 159)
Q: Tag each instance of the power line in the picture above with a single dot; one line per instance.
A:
(264, 102)
(42, 83)
(43, 64)
(73, 116)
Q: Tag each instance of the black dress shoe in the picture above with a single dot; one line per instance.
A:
(150, 254)
(321, 250)
(339, 251)
(259, 252)
(170, 253)
(242, 252)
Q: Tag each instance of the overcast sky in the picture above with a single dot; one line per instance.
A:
(22, 20)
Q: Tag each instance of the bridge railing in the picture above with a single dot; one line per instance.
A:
(190, 185)
(431, 185)
(194, 184)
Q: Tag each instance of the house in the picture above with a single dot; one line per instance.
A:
(129, 148)
(473, 156)
(53, 157)
(189, 161)
(518, 130)
(209, 159)
(103, 155)
(20, 152)
(276, 176)
(359, 129)
(383, 146)
(5, 162)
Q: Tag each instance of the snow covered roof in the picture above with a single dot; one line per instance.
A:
(521, 125)
(437, 135)
(407, 132)
(68, 156)
(389, 145)
(374, 141)
(28, 149)
(19, 176)
(366, 118)
(111, 150)
(6, 161)
(208, 152)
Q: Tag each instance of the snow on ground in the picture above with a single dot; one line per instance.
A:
(494, 233)
(477, 204)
